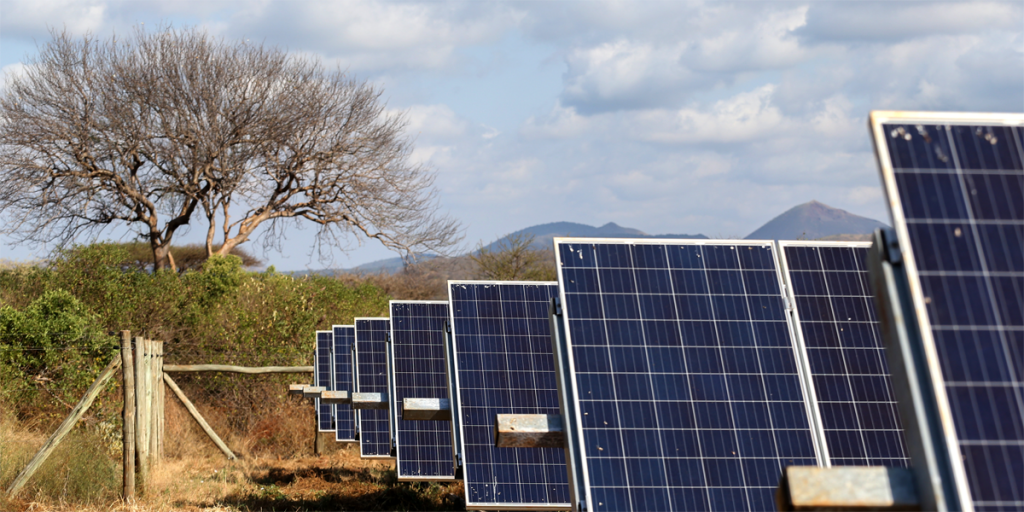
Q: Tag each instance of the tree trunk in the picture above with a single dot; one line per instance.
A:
(162, 257)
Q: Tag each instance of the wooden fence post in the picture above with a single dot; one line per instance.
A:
(64, 428)
(128, 429)
(141, 413)
(153, 395)
(161, 393)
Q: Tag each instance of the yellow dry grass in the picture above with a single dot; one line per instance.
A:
(277, 471)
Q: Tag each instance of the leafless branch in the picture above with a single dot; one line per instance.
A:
(148, 130)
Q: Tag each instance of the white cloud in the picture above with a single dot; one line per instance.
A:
(434, 121)
(885, 22)
(743, 117)
(32, 18)
(712, 47)
(376, 35)
(671, 117)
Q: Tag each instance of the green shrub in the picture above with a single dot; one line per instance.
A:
(55, 322)
(56, 344)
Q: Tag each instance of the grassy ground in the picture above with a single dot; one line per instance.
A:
(84, 473)
(338, 481)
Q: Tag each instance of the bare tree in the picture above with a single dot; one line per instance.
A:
(151, 129)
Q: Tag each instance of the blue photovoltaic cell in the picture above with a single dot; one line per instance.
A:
(424, 448)
(685, 372)
(839, 325)
(324, 412)
(504, 364)
(957, 191)
(344, 415)
(372, 377)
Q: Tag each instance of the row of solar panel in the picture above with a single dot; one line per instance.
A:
(687, 370)
(689, 373)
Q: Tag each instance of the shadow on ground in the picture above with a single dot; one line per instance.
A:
(336, 488)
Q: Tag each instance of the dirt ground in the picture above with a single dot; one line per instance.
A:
(339, 480)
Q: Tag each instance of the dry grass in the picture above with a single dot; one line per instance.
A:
(277, 470)
(337, 481)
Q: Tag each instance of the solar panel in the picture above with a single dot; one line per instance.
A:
(424, 449)
(344, 415)
(834, 307)
(683, 370)
(322, 377)
(504, 364)
(955, 184)
(372, 377)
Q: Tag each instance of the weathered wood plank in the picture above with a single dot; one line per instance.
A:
(426, 409)
(128, 417)
(199, 418)
(141, 415)
(335, 397)
(65, 427)
(529, 431)
(153, 395)
(160, 393)
(313, 391)
(296, 389)
(847, 488)
(369, 400)
(252, 370)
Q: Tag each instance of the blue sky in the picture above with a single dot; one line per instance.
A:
(670, 117)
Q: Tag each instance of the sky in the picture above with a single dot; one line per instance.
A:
(668, 117)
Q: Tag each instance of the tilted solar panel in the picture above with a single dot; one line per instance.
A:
(684, 374)
(344, 415)
(504, 364)
(322, 377)
(372, 377)
(837, 318)
(424, 449)
(955, 184)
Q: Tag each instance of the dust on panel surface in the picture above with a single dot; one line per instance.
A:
(686, 375)
(372, 377)
(839, 324)
(505, 365)
(424, 448)
(344, 415)
(960, 188)
(324, 412)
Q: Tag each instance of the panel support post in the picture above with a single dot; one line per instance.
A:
(911, 381)
(529, 431)
(426, 409)
(128, 417)
(64, 428)
(847, 488)
(370, 401)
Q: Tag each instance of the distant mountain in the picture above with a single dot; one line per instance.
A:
(814, 221)
(543, 234)
(388, 265)
(542, 239)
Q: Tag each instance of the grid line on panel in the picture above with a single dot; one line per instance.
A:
(372, 377)
(504, 364)
(957, 187)
(837, 321)
(424, 448)
(689, 396)
(324, 412)
(344, 415)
